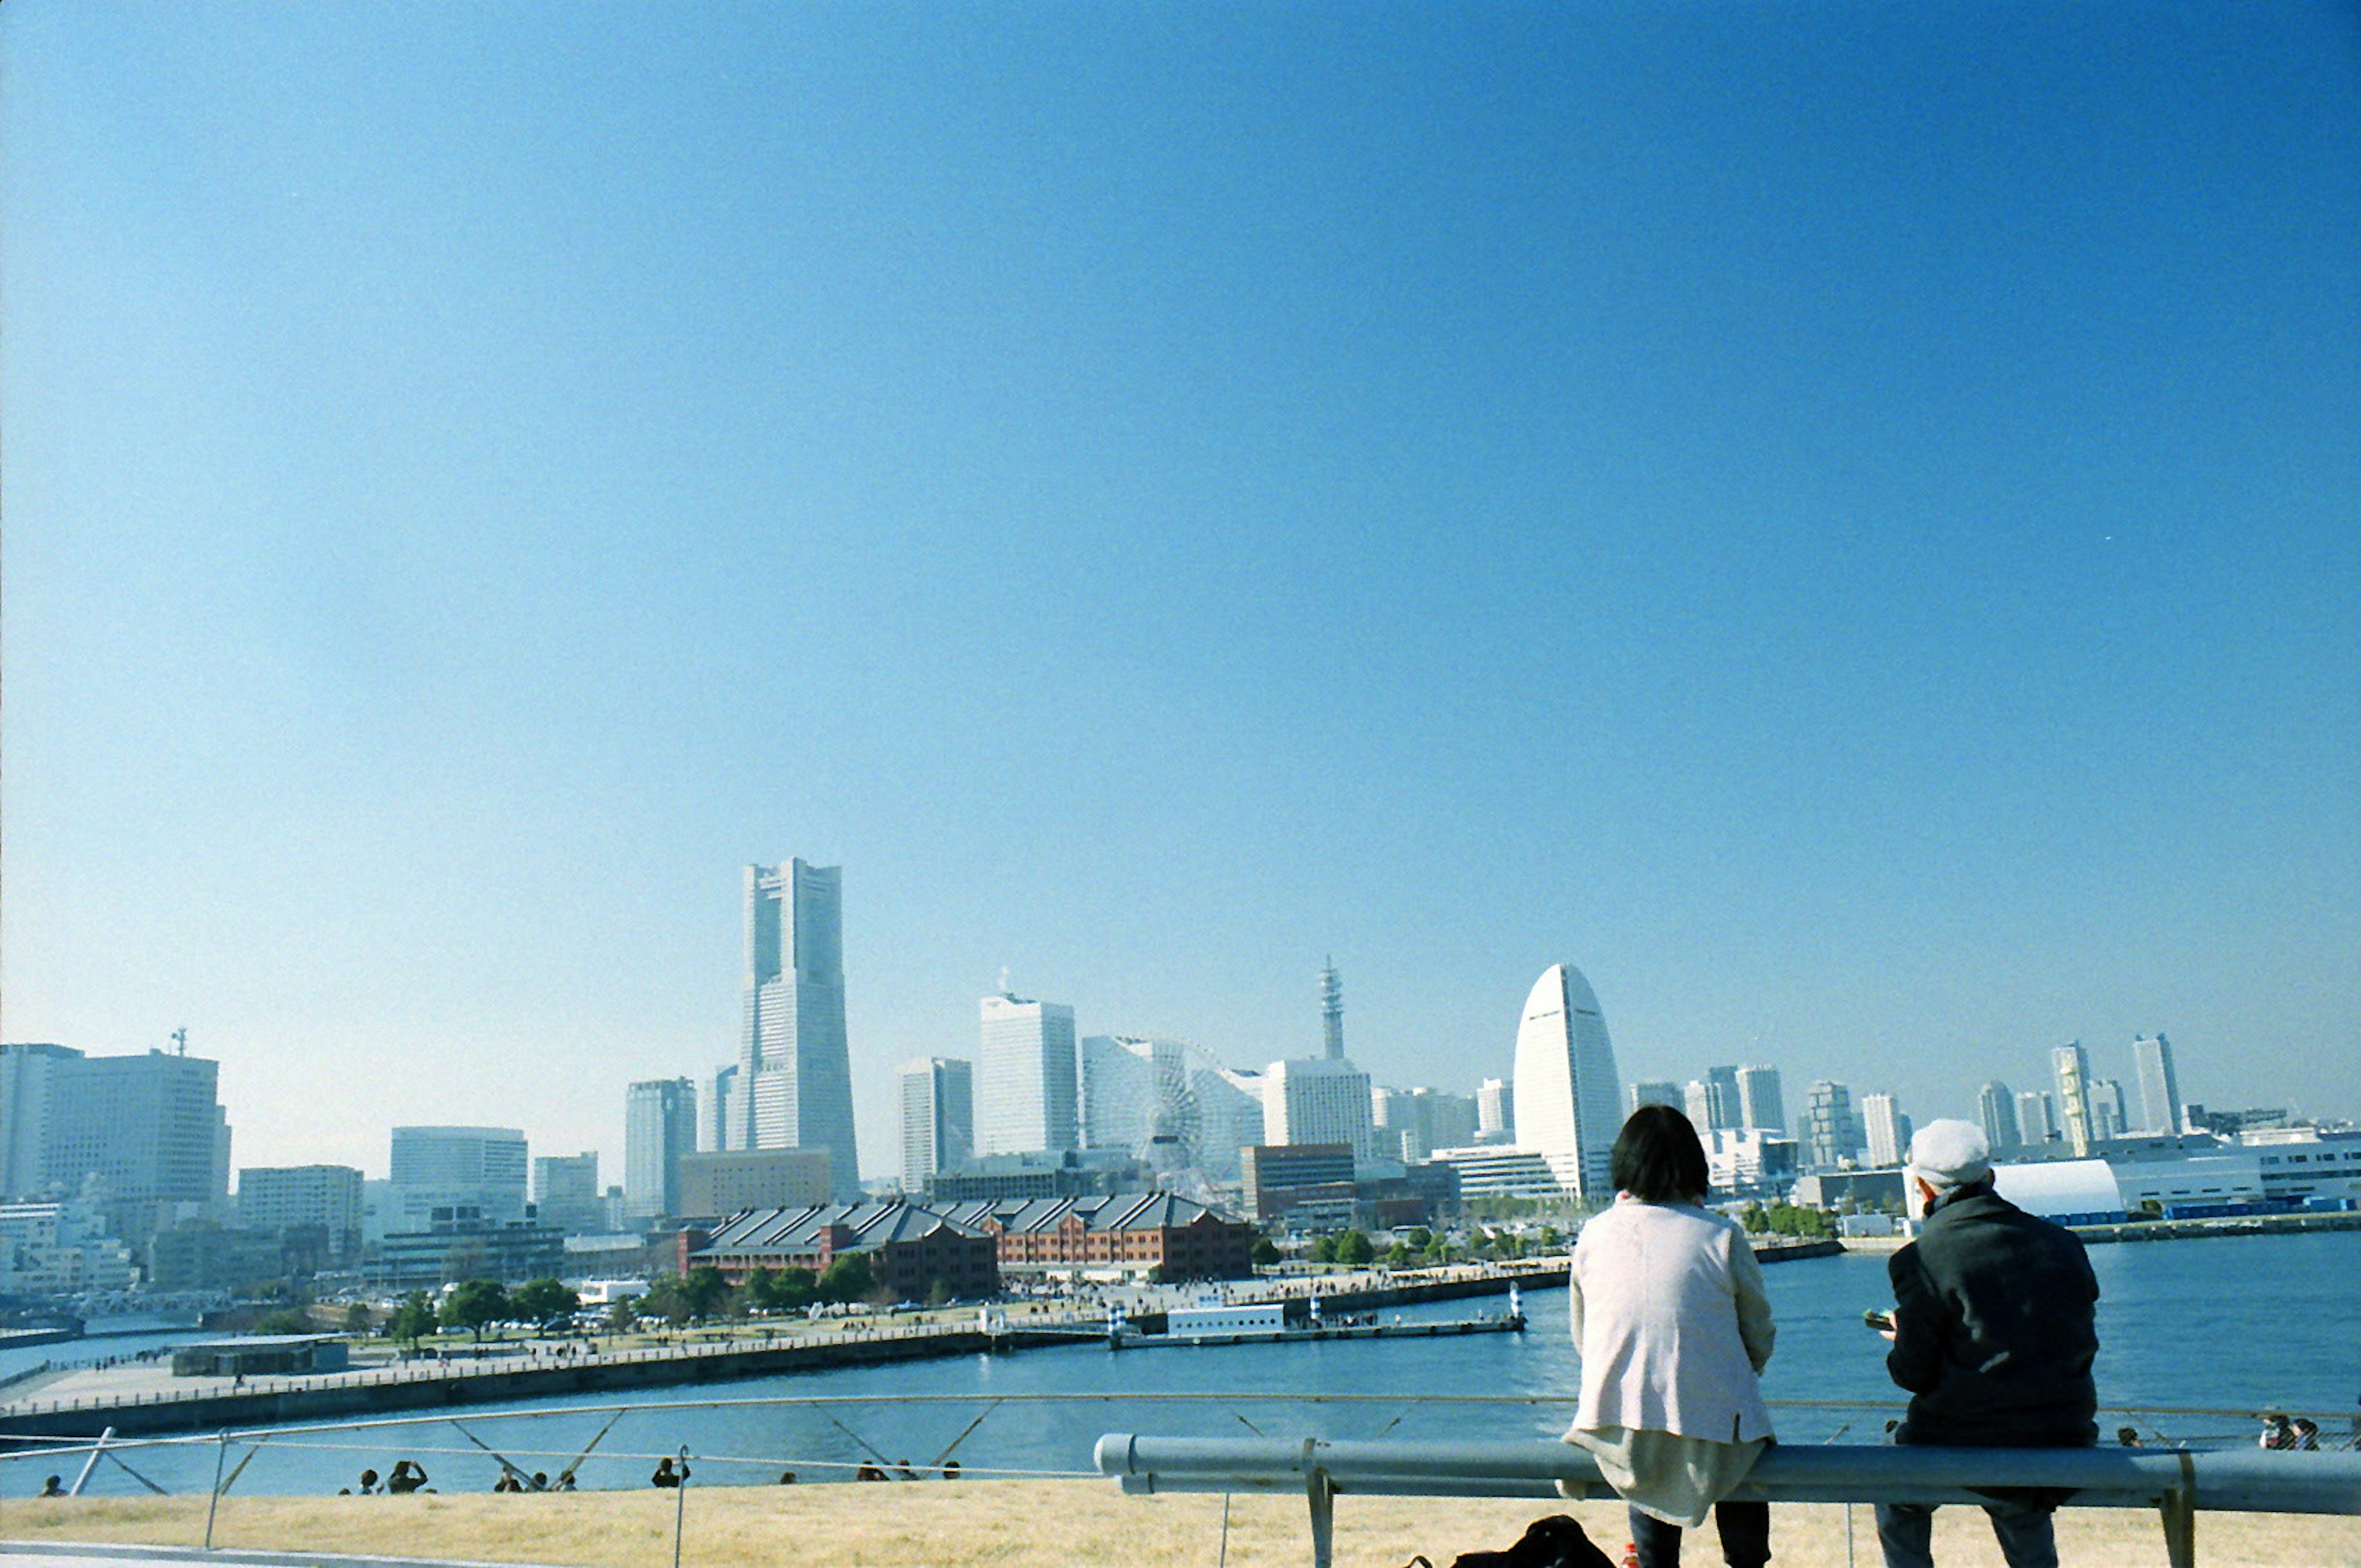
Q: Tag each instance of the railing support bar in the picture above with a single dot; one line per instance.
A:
(1320, 1493)
(2179, 1510)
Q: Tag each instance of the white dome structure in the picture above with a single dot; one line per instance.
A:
(1569, 1102)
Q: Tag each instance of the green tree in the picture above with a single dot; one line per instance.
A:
(623, 1314)
(706, 1291)
(1265, 1253)
(1323, 1249)
(1354, 1250)
(475, 1305)
(796, 1289)
(412, 1321)
(1753, 1219)
(358, 1319)
(538, 1300)
(848, 1278)
(285, 1321)
(1418, 1238)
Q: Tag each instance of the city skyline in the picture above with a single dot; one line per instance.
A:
(1843, 520)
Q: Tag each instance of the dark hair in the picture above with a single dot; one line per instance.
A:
(1657, 1157)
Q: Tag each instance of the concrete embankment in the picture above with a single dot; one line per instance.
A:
(430, 1386)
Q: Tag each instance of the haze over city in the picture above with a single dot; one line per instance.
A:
(1843, 522)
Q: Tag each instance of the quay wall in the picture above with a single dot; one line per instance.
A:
(423, 1387)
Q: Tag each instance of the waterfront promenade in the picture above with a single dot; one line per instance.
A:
(141, 1397)
(1001, 1523)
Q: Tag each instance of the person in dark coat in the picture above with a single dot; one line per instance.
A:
(1994, 1330)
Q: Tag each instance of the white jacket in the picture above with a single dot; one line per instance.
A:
(1671, 1322)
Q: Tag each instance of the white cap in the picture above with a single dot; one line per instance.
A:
(1950, 1153)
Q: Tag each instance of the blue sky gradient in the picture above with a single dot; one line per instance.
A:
(1844, 521)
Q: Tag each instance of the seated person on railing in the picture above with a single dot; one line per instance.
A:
(1673, 1327)
(1994, 1329)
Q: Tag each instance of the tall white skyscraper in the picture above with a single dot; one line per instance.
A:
(1759, 1102)
(659, 1128)
(1696, 1104)
(937, 1118)
(2072, 1065)
(1321, 1100)
(1886, 1128)
(716, 1097)
(1996, 1109)
(795, 1074)
(1567, 1094)
(1026, 1097)
(1722, 1102)
(2159, 1086)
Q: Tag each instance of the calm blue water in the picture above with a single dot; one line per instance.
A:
(2220, 1325)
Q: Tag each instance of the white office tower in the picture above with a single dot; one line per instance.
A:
(2036, 1118)
(659, 1129)
(2072, 1065)
(2159, 1086)
(715, 1105)
(465, 1173)
(794, 1076)
(1759, 1102)
(1655, 1091)
(1567, 1099)
(937, 1118)
(1886, 1128)
(565, 1194)
(1996, 1109)
(1831, 1131)
(1027, 1100)
(1320, 1100)
(150, 1128)
(1332, 1013)
(2107, 1118)
(1496, 1111)
(1696, 1104)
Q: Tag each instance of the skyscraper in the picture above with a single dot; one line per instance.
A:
(1332, 1013)
(469, 1173)
(1566, 1086)
(1496, 1111)
(1996, 1109)
(2107, 1113)
(1320, 1100)
(1831, 1131)
(2036, 1117)
(1887, 1129)
(937, 1118)
(151, 1127)
(1026, 1097)
(1655, 1091)
(1723, 1108)
(1759, 1103)
(659, 1128)
(2159, 1086)
(2072, 1065)
(715, 1102)
(795, 1075)
(565, 1193)
(1697, 1104)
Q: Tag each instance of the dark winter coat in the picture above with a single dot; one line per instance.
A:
(1995, 1314)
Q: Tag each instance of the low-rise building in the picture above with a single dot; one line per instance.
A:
(714, 1185)
(1131, 1233)
(463, 1247)
(914, 1252)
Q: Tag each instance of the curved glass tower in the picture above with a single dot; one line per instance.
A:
(1568, 1106)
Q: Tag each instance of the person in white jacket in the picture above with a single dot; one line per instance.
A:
(1674, 1329)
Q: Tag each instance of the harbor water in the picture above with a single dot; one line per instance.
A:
(2195, 1335)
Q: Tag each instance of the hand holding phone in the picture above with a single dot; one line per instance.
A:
(1882, 1322)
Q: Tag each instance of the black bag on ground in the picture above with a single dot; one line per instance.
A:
(1556, 1542)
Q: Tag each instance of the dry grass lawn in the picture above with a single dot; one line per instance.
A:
(1052, 1524)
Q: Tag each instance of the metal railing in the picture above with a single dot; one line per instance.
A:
(2177, 1482)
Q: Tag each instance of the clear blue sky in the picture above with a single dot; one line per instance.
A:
(1842, 521)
